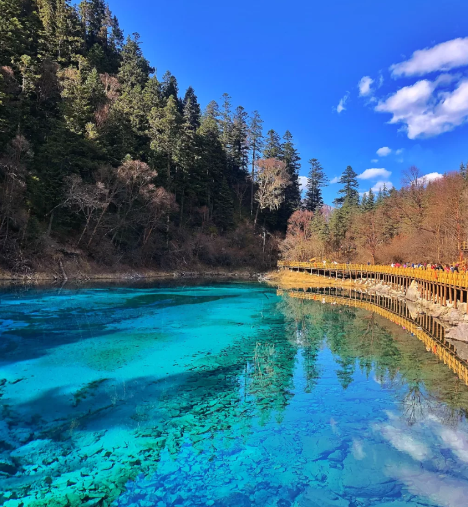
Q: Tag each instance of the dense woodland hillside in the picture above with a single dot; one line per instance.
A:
(102, 159)
(104, 163)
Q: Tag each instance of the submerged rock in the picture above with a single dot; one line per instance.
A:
(7, 466)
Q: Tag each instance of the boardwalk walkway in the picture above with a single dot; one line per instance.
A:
(437, 286)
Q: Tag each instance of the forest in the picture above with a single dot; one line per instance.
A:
(101, 159)
(104, 163)
(423, 222)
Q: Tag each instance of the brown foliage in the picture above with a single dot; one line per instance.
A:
(422, 222)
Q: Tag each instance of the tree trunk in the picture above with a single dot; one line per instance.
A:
(256, 217)
(49, 228)
(252, 176)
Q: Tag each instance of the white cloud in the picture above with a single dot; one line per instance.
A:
(404, 442)
(383, 152)
(381, 80)
(425, 112)
(364, 86)
(445, 56)
(341, 106)
(374, 160)
(442, 490)
(374, 173)
(380, 185)
(358, 450)
(336, 179)
(432, 177)
(303, 182)
(399, 152)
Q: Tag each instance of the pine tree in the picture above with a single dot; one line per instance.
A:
(349, 191)
(239, 143)
(364, 202)
(212, 156)
(380, 198)
(255, 135)
(165, 132)
(292, 193)
(191, 108)
(169, 87)
(368, 201)
(226, 123)
(464, 170)
(273, 148)
(224, 207)
(317, 179)
(93, 17)
(67, 41)
(135, 68)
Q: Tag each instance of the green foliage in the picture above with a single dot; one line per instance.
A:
(349, 192)
(273, 148)
(317, 179)
(87, 104)
(292, 195)
(368, 202)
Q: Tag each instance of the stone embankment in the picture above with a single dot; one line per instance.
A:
(454, 320)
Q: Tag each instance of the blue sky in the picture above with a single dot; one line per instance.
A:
(296, 61)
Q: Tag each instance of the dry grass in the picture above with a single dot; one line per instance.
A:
(287, 279)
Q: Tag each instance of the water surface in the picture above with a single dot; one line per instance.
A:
(224, 395)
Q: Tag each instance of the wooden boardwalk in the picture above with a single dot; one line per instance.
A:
(424, 328)
(437, 286)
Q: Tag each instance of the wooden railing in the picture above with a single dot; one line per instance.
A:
(430, 275)
(441, 348)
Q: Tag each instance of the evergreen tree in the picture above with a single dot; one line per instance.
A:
(212, 156)
(67, 41)
(165, 132)
(464, 170)
(349, 191)
(224, 207)
(364, 202)
(292, 193)
(93, 17)
(317, 179)
(225, 123)
(191, 108)
(169, 87)
(273, 148)
(380, 198)
(239, 142)
(134, 69)
(255, 135)
(368, 201)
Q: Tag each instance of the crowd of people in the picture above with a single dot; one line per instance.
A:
(448, 268)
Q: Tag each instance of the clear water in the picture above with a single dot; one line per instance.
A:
(221, 395)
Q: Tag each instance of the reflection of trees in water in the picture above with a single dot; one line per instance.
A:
(270, 375)
(398, 360)
(416, 403)
(305, 332)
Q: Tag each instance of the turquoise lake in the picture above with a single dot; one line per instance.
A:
(220, 394)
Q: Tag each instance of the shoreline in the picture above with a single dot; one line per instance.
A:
(124, 276)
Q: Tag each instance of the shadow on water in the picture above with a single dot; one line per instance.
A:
(41, 316)
(278, 401)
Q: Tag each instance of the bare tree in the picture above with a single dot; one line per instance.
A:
(158, 203)
(272, 178)
(86, 198)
